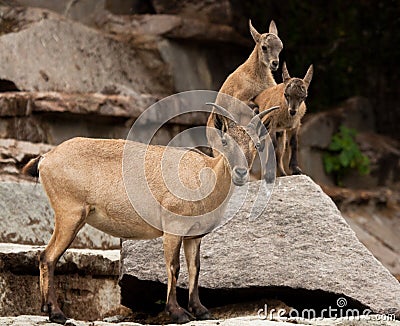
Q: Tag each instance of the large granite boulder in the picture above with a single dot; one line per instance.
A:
(150, 54)
(91, 82)
(56, 54)
(300, 248)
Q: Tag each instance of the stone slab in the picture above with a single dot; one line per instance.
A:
(86, 282)
(300, 242)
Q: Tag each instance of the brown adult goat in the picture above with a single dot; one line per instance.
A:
(83, 179)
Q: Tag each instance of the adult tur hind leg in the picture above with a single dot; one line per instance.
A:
(192, 253)
(66, 227)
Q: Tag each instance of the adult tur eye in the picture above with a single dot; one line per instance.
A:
(224, 142)
(264, 48)
(259, 146)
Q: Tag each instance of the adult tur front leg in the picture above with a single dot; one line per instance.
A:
(172, 245)
(192, 254)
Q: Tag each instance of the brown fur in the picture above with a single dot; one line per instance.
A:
(284, 125)
(83, 179)
(254, 75)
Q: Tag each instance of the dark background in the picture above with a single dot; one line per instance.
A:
(354, 46)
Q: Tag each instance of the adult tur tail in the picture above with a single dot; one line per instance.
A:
(32, 167)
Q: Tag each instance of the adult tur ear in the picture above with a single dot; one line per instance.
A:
(256, 35)
(272, 28)
(307, 78)
(285, 73)
(221, 121)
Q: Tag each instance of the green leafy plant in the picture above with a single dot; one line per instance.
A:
(344, 155)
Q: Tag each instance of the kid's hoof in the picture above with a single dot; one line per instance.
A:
(297, 171)
(58, 318)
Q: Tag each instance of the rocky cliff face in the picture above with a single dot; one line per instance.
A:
(61, 78)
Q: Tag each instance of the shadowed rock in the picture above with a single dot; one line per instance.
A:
(300, 242)
(27, 218)
(85, 278)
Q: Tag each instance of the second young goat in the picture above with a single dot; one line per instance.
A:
(285, 122)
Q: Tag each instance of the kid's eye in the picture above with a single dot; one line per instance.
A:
(224, 142)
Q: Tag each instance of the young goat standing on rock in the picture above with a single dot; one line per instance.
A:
(285, 122)
(254, 75)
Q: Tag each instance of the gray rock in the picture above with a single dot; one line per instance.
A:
(16, 104)
(219, 11)
(14, 154)
(66, 56)
(173, 26)
(238, 321)
(356, 113)
(27, 218)
(86, 11)
(23, 259)
(316, 135)
(199, 54)
(84, 278)
(301, 241)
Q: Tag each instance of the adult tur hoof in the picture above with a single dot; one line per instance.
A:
(205, 315)
(181, 316)
(58, 318)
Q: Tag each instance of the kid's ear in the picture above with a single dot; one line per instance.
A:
(307, 78)
(285, 73)
(272, 28)
(256, 35)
